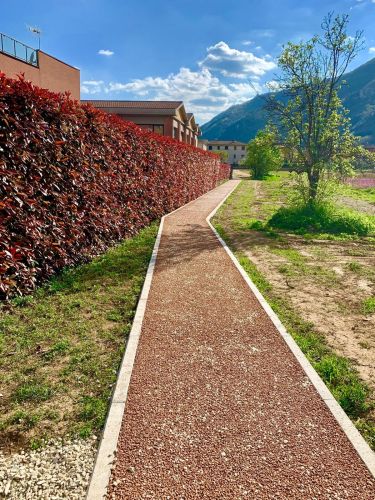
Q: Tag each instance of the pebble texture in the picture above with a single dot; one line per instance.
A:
(59, 470)
(218, 407)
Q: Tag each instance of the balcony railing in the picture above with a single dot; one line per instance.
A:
(18, 50)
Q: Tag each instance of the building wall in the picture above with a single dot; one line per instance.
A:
(236, 150)
(51, 74)
(147, 121)
(203, 144)
(171, 120)
(172, 126)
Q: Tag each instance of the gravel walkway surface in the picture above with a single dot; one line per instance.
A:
(59, 470)
(218, 407)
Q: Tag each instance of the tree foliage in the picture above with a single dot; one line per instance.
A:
(263, 154)
(223, 155)
(311, 117)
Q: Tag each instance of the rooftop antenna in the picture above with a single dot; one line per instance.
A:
(37, 32)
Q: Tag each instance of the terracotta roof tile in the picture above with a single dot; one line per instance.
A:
(134, 104)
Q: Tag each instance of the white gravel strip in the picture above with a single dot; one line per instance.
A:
(58, 470)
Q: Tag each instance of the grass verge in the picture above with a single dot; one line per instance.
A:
(365, 194)
(61, 347)
(340, 375)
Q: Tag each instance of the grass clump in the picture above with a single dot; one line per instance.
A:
(344, 383)
(33, 391)
(322, 218)
(355, 267)
(368, 305)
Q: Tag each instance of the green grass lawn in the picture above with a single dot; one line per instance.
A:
(365, 194)
(235, 220)
(61, 347)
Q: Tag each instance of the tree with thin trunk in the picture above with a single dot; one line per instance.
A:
(308, 112)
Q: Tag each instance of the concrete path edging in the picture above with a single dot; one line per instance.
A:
(108, 444)
(358, 442)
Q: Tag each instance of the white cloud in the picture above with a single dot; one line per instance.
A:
(105, 52)
(371, 49)
(92, 86)
(202, 92)
(234, 63)
(247, 42)
(266, 33)
(93, 82)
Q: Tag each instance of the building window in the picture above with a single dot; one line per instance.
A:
(243, 148)
(157, 129)
(210, 148)
(218, 148)
(226, 147)
(234, 156)
(146, 127)
(175, 132)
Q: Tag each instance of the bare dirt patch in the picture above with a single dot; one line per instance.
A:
(240, 173)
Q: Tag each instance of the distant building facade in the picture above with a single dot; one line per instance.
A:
(167, 118)
(38, 67)
(236, 150)
(203, 144)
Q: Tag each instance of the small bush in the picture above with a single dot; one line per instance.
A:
(322, 218)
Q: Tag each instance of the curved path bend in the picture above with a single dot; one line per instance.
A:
(218, 406)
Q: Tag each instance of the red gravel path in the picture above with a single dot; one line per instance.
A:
(218, 407)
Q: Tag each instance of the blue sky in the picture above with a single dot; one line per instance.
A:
(211, 54)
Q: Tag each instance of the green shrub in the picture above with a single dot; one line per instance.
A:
(322, 218)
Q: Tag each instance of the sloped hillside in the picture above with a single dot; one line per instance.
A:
(241, 122)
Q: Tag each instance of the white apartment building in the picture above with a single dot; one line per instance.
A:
(236, 150)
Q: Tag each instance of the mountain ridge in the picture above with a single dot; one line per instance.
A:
(242, 121)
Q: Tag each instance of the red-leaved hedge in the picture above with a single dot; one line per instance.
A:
(75, 180)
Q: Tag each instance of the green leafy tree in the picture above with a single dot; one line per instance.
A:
(310, 115)
(223, 155)
(263, 154)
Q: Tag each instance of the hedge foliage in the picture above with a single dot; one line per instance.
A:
(74, 180)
